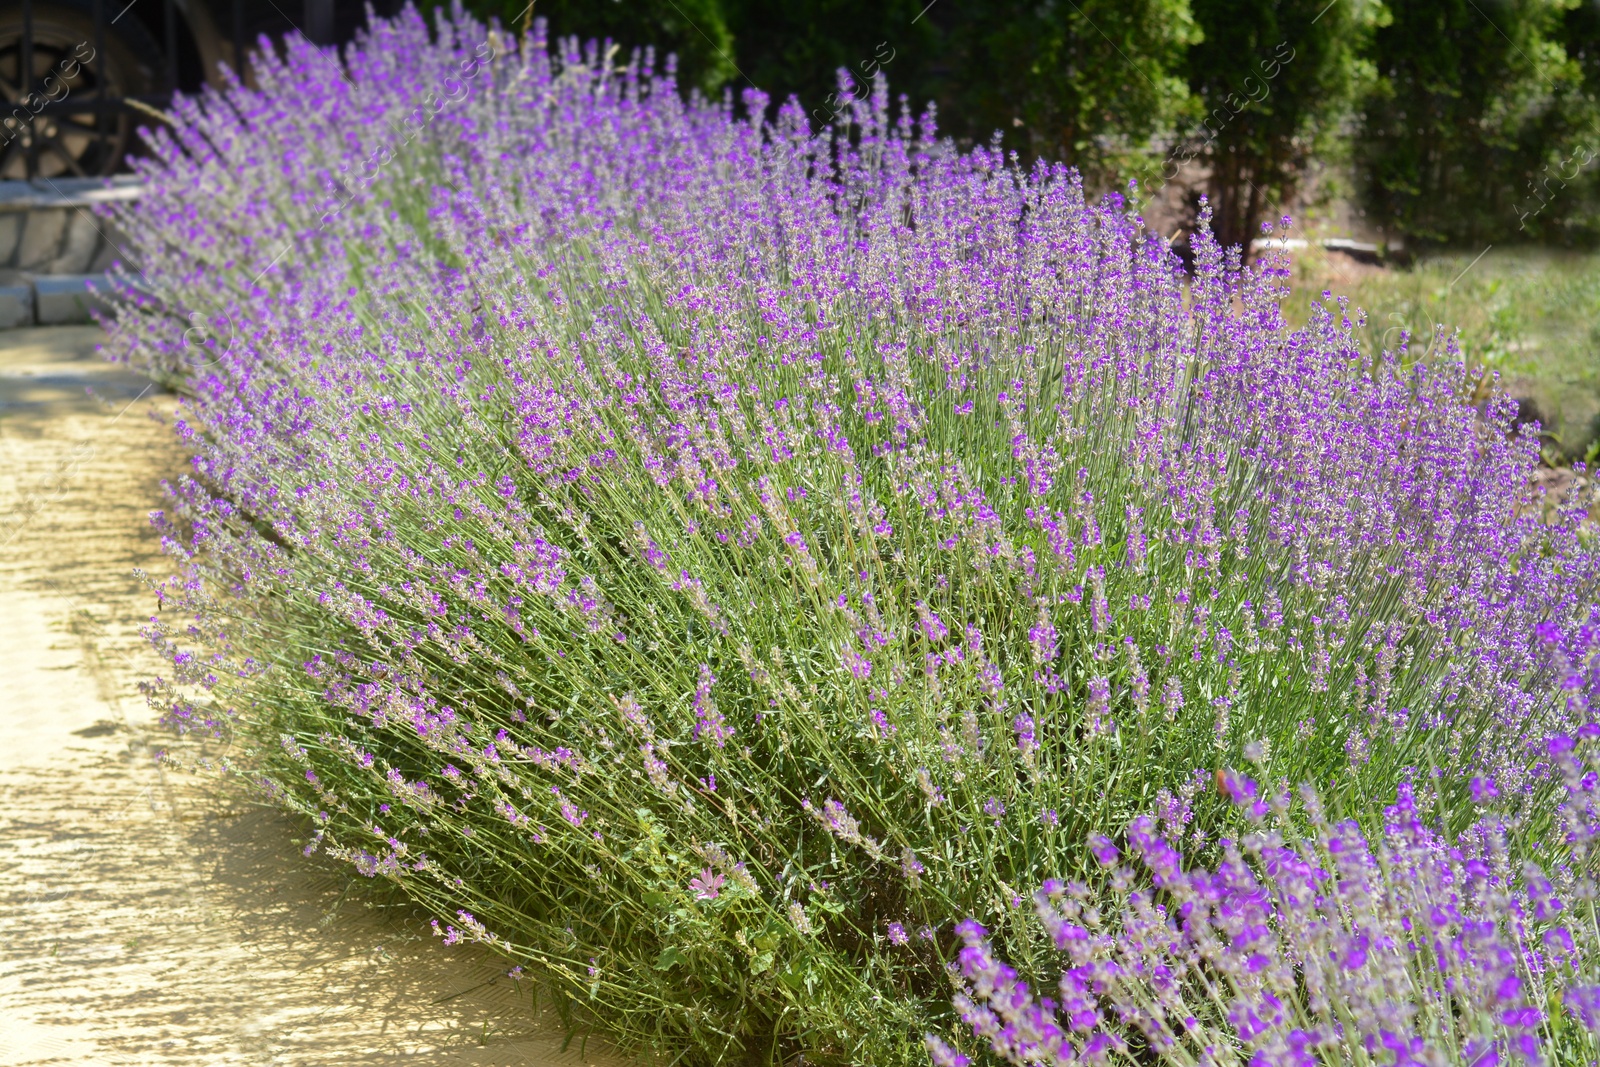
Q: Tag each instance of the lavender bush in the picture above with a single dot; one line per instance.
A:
(706, 559)
(1298, 949)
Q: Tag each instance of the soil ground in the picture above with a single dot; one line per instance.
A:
(148, 918)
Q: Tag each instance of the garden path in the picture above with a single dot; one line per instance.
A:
(148, 919)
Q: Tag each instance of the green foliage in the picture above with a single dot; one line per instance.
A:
(695, 31)
(1276, 79)
(1098, 84)
(1476, 123)
(1467, 120)
(1580, 35)
(1528, 315)
(798, 48)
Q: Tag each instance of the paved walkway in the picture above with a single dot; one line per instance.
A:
(148, 921)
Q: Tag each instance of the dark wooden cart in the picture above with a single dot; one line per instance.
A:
(77, 77)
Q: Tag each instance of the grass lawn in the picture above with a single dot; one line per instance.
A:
(1531, 315)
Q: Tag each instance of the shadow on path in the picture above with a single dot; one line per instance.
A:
(149, 919)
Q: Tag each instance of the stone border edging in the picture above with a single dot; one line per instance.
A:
(50, 226)
(51, 300)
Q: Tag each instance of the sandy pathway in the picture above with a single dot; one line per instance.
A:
(145, 920)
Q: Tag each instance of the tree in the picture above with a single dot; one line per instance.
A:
(1475, 114)
(1276, 79)
(1094, 83)
(696, 31)
(798, 48)
(1575, 215)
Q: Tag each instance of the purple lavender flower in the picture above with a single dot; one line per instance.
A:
(569, 810)
(1044, 639)
(1023, 726)
(995, 808)
(1330, 931)
(708, 719)
(1104, 852)
(844, 826)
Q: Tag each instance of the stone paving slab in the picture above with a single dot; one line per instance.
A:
(66, 299)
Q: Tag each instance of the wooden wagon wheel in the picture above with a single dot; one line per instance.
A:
(36, 116)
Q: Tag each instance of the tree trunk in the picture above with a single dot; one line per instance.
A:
(1236, 200)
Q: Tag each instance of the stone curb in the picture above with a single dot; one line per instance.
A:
(44, 194)
(52, 300)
